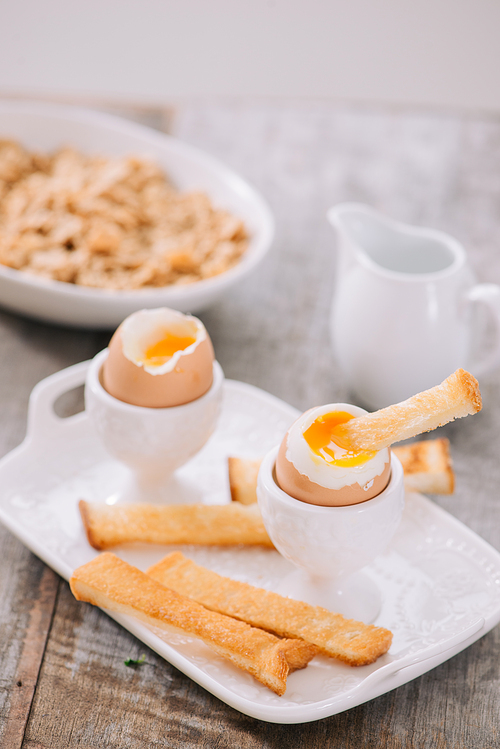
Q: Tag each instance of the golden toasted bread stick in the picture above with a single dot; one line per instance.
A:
(112, 584)
(109, 525)
(243, 479)
(454, 398)
(427, 466)
(345, 639)
(243, 473)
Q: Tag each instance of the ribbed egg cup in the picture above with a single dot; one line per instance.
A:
(151, 442)
(329, 546)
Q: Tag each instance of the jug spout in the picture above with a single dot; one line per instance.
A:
(391, 247)
(349, 245)
(344, 217)
(339, 214)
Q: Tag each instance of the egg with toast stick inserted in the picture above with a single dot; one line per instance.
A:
(339, 454)
(332, 494)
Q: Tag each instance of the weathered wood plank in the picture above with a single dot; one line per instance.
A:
(41, 608)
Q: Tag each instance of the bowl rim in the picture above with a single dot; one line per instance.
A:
(254, 254)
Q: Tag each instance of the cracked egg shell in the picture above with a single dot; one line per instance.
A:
(159, 358)
(304, 473)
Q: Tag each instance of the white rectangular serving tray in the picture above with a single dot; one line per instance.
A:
(440, 582)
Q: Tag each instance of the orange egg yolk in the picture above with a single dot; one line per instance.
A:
(320, 438)
(166, 347)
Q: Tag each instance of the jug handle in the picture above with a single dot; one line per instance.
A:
(489, 295)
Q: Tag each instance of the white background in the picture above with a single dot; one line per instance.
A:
(425, 52)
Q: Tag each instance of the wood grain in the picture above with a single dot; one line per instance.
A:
(32, 651)
(428, 168)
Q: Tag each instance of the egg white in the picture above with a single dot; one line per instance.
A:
(143, 329)
(316, 468)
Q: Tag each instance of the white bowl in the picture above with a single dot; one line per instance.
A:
(47, 127)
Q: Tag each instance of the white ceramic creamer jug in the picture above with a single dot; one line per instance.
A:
(403, 308)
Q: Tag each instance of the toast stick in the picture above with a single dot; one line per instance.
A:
(112, 584)
(243, 479)
(349, 641)
(109, 525)
(427, 466)
(455, 397)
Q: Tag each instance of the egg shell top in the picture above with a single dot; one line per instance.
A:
(186, 376)
(306, 476)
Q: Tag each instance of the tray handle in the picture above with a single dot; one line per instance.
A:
(447, 647)
(41, 415)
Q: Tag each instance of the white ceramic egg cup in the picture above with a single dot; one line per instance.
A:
(329, 545)
(151, 442)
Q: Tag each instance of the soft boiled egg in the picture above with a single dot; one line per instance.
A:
(159, 358)
(313, 468)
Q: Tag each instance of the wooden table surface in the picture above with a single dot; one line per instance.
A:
(62, 679)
